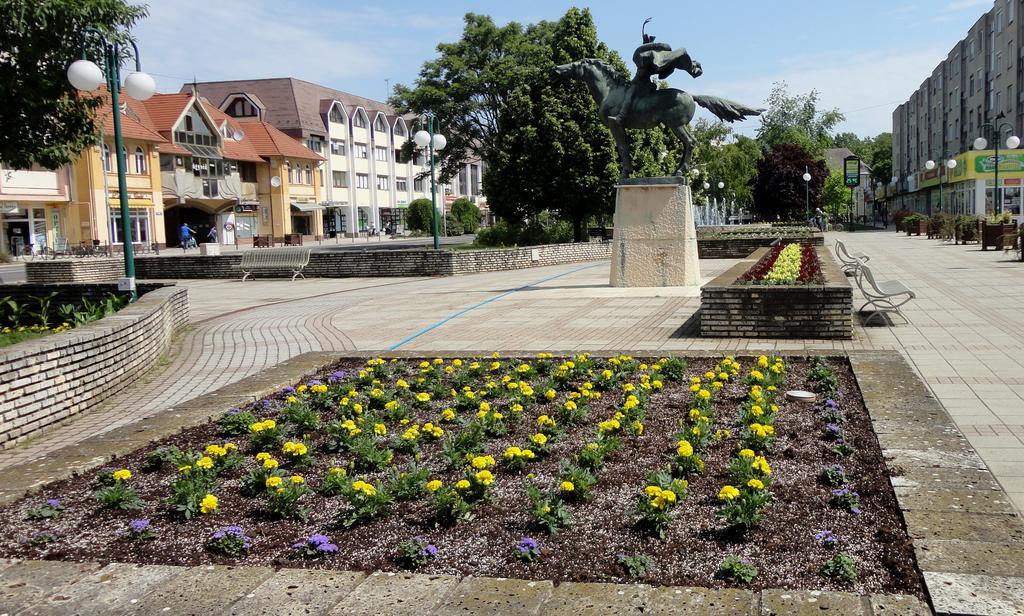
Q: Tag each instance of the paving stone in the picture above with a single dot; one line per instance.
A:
(898, 605)
(114, 589)
(710, 601)
(396, 594)
(971, 557)
(24, 583)
(202, 591)
(964, 526)
(593, 599)
(297, 592)
(921, 499)
(945, 478)
(944, 444)
(953, 593)
(497, 596)
(805, 603)
(932, 458)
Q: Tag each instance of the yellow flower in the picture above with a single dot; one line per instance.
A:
(184, 469)
(762, 465)
(270, 463)
(291, 399)
(550, 394)
(540, 438)
(297, 479)
(717, 385)
(380, 429)
(208, 504)
(704, 394)
(757, 484)
(462, 484)
(484, 477)
(570, 405)
(684, 449)
(363, 487)
(746, 453)
(694, 414)
(512, 452)
(709, 375)
(216, 450)
(401, 384)
(423, 397)
(728, 493)
(482, 462)
(122, 475)
(638, 428)
(205, 463)
(567, 486)
(434, 485)
(273, 482)
(544, 420)
(334, 470)
(652, 491)
(486, 408)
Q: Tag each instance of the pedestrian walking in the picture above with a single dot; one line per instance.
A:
(185, 234)
(211, 237)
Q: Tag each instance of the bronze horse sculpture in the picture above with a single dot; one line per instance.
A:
(647, 107)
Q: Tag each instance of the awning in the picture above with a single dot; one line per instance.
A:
(204, 151)
(307, 207)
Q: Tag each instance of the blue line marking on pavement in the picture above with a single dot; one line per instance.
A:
(458, 314)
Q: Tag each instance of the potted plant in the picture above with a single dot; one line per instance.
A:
(916, 224)
(966, 229)
(898, 217)
(936, 224)
(998, 231)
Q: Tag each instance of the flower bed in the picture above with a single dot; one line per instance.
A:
(786, 264)
(580, 470)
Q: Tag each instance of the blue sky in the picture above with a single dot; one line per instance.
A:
(863, 57)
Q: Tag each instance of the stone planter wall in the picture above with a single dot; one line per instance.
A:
(740, 248)
(69, 292)
(87, 269)
(733, 310)
(47, 380)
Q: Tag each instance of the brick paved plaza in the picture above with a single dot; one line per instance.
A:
(964, 335)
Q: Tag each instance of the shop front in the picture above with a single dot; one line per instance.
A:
(22, 228)
(306, 220)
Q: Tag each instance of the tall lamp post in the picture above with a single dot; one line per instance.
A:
(997, 129)
(86, 76)
(721, 193)
(931, 165)
(435, 142)
(807, 194)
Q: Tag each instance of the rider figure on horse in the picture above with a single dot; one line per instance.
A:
(653, 59)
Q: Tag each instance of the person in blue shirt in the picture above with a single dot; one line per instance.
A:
(185, 235)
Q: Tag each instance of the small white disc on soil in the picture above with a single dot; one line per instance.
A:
(797, 395)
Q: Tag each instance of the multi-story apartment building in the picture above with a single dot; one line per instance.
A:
(975, 92)
(368, 182)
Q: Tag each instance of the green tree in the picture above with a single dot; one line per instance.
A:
(780, 190)
(722, 156)
(43, 119)
(835, 195)
(467, 213)
(880, 158)
(796, 119)
(419, 216)
(860, 147)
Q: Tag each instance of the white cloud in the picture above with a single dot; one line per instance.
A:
(866, 86)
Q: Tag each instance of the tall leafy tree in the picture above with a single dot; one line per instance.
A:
(880, 158)
(835, 196)
(722, 156)
(779, 190)
(797, 119)
(43, 119)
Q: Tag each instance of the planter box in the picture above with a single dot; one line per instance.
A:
(733, 310)
(998, 236)
(916, 228)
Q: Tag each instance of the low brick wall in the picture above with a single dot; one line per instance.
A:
(740, 248)
(69, 292)
(47, 380)
(732, 310)
(89, 269)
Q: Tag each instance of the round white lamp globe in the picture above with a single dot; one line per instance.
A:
(139, 86)
(930, 165)
(440, 141)
(807, 177)
(706, 186)
(980, 143)
(1013, 142)
(951, 163)
(721, 185)
(85, 75)
(422, 138)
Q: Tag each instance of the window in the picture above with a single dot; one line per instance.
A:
(294, 175)
(359, 150)
(140, 161)
(314, 143)
(402, 184)
(166, 162)
(382, 182)
(360, 120)
(338, 147)
(210, 188)
(380, 153)
(362, 180)
(972, 49)
(309, 175)
(339, 179)
(999, 20)
(999, 101)
(247, 172)
(400, 129)
(139, 218)
(188, 123)
(336, 116)
(1011, 7)
(997, 66)
(380, 125)
(417, 185)
(106, 158)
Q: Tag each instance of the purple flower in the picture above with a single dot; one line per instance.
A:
(833, 429)
(337, 376)
(318, 539)
(430, 551)
(526, 545)
(53, 502)
(832, 404)
(288, 390)
(314, 382)
(855, 509)
(836, 468)
(265, 403)
(234, 411)
(327, 548)
(840, 491)
(827, 538)
(232, 531)
(138, 526)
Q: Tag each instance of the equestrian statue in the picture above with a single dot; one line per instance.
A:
(639, 103)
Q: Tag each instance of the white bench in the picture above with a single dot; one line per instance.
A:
(851, 261)
(273, 260)
(885, 296)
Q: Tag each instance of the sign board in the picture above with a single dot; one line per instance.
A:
(8, 207)
(1008, 161)
(851, 171)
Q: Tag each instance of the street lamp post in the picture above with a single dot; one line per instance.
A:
(721, 193)
(1012, 143)
(87, 76)
(435, 142)
(807, 194)
(950, 164)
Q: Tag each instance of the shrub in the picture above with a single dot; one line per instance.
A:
(452, 226)
(467, 214)
(736, 569)
(899, 215)
(229, 541)
(236, 422)
(549, 510)
(635, 566)
(841, 567)
(413, 553)
(50, 509)
(120, 495)
(418, 216)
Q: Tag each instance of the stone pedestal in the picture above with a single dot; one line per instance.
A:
(209, 249)
(655, 243)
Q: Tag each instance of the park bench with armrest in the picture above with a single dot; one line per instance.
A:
(886, 296)
(254, 261)
(851, 262)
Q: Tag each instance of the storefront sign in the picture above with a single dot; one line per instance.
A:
(8, 207)
(1011, 161)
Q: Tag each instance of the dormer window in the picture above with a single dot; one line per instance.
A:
(242, 108)
(336, 116)
(400, 130)
(380, 125)
(360, 120)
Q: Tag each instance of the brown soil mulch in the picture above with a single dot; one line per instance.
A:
(782, 547)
